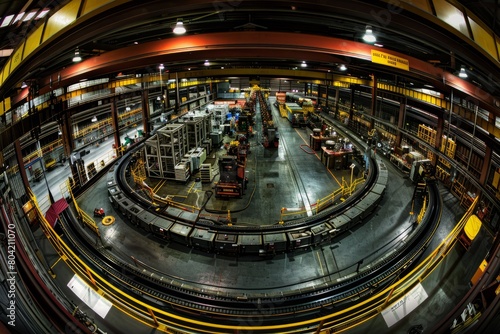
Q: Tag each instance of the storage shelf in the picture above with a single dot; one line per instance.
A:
(165, 150)
(427, 134)
(206, 173)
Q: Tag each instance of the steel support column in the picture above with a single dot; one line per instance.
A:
(20, 164)
(145, 111)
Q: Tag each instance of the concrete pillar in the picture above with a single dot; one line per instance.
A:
(374, 101)
(351, 104)
(177, 93)
(145, 111)
(486, 166)
(401, 119)
(439, 136)
(115, 125)
(20, 165)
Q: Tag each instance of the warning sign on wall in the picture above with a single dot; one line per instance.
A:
(390, 60)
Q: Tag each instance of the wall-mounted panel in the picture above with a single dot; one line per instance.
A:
(422, 4)
(451, 15)
(6, 70)
(6, 104)
(33, 41)
(61, 19)
(17, 57)
(91, 5)
(483, 38)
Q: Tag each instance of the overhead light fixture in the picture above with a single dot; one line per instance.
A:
(24, 85)
(343, 67)
(462, 73)
(161, 67)
(369, 37)
(206, 63)
(77, 56)
(303, 64)
(94, 119)
(179, 28)
(59, 132)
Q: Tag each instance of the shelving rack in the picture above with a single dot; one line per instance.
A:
(206, 173)
(448, 147)
(199, 126)
(428, 135)
(442, 174)
(474, 164)
(165, 150)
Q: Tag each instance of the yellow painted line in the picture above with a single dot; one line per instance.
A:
(159, 185)
(59, 259)
(320, 264)
(191, 187)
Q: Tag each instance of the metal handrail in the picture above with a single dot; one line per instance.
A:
(337, 321)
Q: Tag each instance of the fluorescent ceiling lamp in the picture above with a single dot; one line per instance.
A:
(42, 14)
(369, 37)
(342, 67)
(6, 52)
(18, 17)
(29, 16)
(94, 119)
(462, 73)
(6, 21)
(77, 56)
(179, 28)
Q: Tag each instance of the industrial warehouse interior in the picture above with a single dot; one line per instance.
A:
(249, 166)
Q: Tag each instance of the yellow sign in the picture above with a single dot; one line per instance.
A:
(390, 60)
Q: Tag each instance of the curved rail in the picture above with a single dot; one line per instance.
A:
(172, 304)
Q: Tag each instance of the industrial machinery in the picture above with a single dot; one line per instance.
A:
(296, 115)
(421, 169)
(231, 177)
(99, 212)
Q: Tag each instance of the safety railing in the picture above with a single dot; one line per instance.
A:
(339, 194)
(139, 175)
(348, 318)
(330, 200)
(333, 322)
(82, 215)
(37, 154)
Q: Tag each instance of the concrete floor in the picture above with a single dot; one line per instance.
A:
(298, 179)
